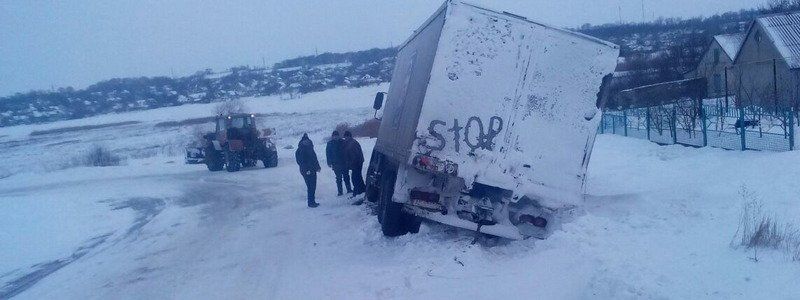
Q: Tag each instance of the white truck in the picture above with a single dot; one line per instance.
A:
(489, 124)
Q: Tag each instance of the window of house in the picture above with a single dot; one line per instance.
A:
(716, 56)
(717, 83)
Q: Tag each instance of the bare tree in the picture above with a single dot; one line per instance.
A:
(688, 113)
(232, 106)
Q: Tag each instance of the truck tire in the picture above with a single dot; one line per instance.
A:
(373, 180)
(271, 159)
(213, 159)
(372, 192)
(394, 222)
(231, 163)
(412, 223)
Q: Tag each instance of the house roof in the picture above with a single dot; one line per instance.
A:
(784, 31)
(730, 43)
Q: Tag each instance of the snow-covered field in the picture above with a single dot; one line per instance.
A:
(658, 223)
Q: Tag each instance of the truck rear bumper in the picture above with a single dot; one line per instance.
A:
(501, 230)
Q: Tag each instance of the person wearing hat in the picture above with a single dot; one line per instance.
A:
(335, 158)
(309, 166)
(354, 159)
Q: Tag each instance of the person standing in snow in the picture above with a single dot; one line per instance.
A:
(354, 158)
(334, 156)
(309, 166)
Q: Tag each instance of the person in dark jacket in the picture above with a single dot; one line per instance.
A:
(309, 166)
(335, 158)
(354, 159)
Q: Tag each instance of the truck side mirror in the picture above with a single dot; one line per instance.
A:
(378, 101)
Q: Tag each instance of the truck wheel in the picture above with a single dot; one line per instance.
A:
(213, 160)
(390, 214)
(271, 159)
(231, 163)
(412, 223)
(373, 191)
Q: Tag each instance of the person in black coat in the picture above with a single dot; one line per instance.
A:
(335, 158)
(309, 166)
(354, 159)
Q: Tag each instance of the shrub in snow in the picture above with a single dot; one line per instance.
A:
(97, 156)
(100, 156)
(757, 229)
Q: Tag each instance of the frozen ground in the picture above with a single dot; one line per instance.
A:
(658, 224)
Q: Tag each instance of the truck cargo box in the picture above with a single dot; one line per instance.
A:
(512, 102)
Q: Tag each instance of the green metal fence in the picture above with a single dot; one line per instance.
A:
(692, 124)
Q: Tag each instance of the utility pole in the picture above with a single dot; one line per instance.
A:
(619, 13)
(727, 94)
(775, 83)
(642, 11)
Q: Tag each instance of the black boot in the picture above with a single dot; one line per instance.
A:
(313, 204)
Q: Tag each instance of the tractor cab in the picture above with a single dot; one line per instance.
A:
(236, 127)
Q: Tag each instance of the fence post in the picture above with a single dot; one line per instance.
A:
(613, 124)
(743, 128)
(704, 126)
(674, 125)
(791, 129)
(625, 120)
(603, 123)
(647, 118)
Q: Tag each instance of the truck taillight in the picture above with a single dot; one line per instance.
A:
(433, 164)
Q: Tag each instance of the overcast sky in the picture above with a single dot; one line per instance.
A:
(47, 44)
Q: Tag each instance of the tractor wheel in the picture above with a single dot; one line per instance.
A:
(231, 162)
(394, 221)
(271, 159)
(247, 163)
(213, 159)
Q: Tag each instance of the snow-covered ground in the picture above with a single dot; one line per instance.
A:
(658, 223)
(148, 133)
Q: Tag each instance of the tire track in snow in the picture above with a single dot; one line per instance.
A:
(24, 282)
(145, 208)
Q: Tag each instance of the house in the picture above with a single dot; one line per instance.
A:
(716, 63)
(766, 70)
